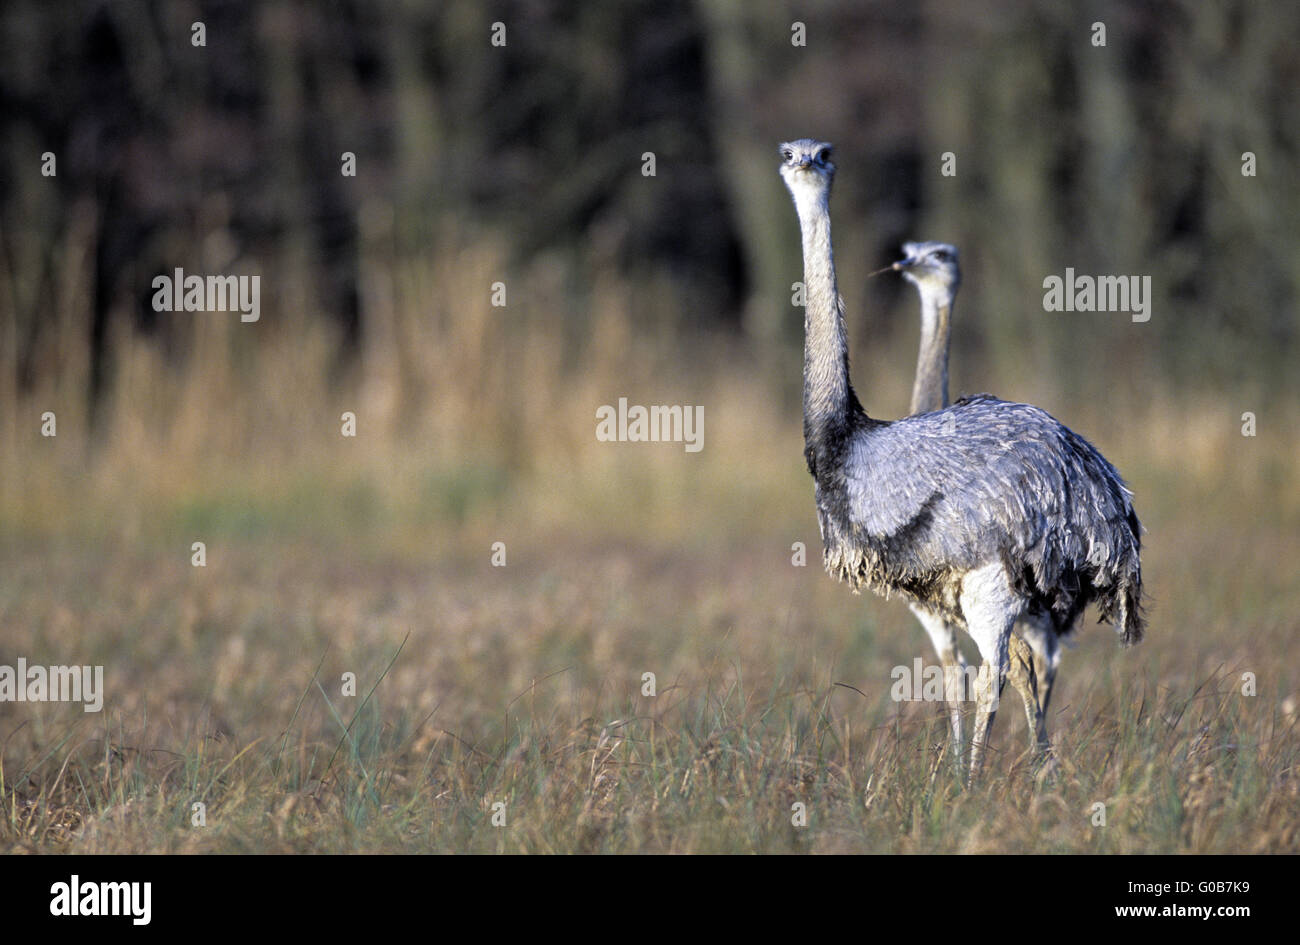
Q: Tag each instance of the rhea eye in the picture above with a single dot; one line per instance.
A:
(823, 155)
(787, 154)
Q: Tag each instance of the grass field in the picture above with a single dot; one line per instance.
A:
(479, 686)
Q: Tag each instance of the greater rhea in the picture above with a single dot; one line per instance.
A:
(983, 512)
(935, 269)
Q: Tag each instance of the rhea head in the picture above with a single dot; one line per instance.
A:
(931, 267)
(807, 170)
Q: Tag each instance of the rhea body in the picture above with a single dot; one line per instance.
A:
(982, 512)
(934, 269)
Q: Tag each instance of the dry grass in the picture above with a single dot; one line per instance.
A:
(522, 685)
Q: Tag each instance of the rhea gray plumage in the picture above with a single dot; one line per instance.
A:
(983, 512)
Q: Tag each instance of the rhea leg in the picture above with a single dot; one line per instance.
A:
(1023, 675)
(1039, 632)
(991, 608)
(944, 637)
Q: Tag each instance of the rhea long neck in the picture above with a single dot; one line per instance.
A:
(829, 404)
(930, 389)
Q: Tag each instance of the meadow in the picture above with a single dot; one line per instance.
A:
(499, 701)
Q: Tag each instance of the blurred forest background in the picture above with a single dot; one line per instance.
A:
(521, 164)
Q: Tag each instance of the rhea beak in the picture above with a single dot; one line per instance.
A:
(805, 163)
(902, 264)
